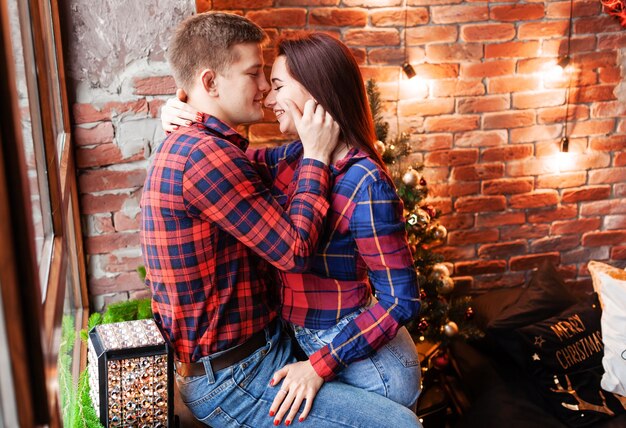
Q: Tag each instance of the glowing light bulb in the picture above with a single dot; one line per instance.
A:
(416, 88)
(553, 71)
(564, 144)
(565, 161)
(408, 69)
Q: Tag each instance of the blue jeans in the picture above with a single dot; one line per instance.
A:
(240, 395)
(393, 371)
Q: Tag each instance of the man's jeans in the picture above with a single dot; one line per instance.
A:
(240, 395)
(393, 371)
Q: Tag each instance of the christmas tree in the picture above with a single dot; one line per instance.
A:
(443, 317)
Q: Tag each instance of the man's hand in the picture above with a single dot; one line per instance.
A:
(300, 383)
(176, 112)
(316, 128)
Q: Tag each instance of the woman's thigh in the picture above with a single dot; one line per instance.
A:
(392, 371)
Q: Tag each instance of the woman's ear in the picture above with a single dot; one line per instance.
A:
(208, 81)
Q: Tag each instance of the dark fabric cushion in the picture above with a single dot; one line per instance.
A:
(500, 312)
(487, 307)
(564, 357)
(500, 395)
(545, 296)
(511, 308)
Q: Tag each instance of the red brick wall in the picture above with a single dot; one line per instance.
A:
(484, 119)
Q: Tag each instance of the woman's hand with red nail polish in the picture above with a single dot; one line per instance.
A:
(300, 383)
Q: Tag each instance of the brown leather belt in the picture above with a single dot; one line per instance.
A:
(227, 358)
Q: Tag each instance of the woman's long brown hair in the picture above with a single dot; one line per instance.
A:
(327, 69)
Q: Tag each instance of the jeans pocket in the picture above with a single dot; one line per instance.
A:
(219, 418)
(183, 381)
(246, 370)
(191, 388)
(403, 348)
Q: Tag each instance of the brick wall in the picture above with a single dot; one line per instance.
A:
(118, 80)
(484, 116)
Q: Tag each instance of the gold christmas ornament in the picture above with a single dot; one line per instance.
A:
(423, 218)
(440, 271)
(411, 177)
(451, 329)
(438, 232)
(445, 286)
(380, 146)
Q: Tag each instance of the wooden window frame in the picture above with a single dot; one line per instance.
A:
(34, 329)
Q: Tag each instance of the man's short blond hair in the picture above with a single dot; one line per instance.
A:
(205, 40)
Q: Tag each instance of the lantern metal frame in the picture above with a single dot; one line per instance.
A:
(105, 354)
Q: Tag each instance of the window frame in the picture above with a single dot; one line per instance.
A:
(34, 330)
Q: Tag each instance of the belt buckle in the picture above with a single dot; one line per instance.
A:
(181, 370)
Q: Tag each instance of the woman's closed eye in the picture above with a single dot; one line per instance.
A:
(277, 88)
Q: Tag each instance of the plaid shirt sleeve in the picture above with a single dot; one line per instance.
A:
(379, 231)
(275, 165)
(222, 186)
(266, 160)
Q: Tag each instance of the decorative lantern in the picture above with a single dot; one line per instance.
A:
(131, 375)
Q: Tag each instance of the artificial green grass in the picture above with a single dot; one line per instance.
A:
(76, 407)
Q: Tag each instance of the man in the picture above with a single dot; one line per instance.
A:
(208, 220)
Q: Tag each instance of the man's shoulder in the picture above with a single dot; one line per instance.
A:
(189, 142)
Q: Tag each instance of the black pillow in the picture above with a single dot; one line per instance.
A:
(545, 296)
(564, 357)
(498, 313)
(488, 307)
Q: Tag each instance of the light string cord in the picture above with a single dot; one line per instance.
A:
(565, 139)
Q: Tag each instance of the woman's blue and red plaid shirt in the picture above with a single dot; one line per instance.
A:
(208, 222)
(364, 244)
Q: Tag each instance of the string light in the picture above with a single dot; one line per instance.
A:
(408, 69)
(564, 62)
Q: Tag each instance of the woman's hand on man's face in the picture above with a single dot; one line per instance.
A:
(316, 128)
(176, 112)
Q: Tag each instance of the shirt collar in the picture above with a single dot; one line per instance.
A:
(353, 155)
(220, 128)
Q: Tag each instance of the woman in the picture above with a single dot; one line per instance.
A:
(349, 331)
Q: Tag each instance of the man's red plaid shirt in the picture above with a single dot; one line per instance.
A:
(207, 223)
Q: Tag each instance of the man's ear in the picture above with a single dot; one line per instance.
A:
(208, 81)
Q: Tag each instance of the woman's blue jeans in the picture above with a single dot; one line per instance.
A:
(393, 371)
(240, 395)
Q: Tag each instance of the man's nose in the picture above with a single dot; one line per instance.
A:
(264, 86)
